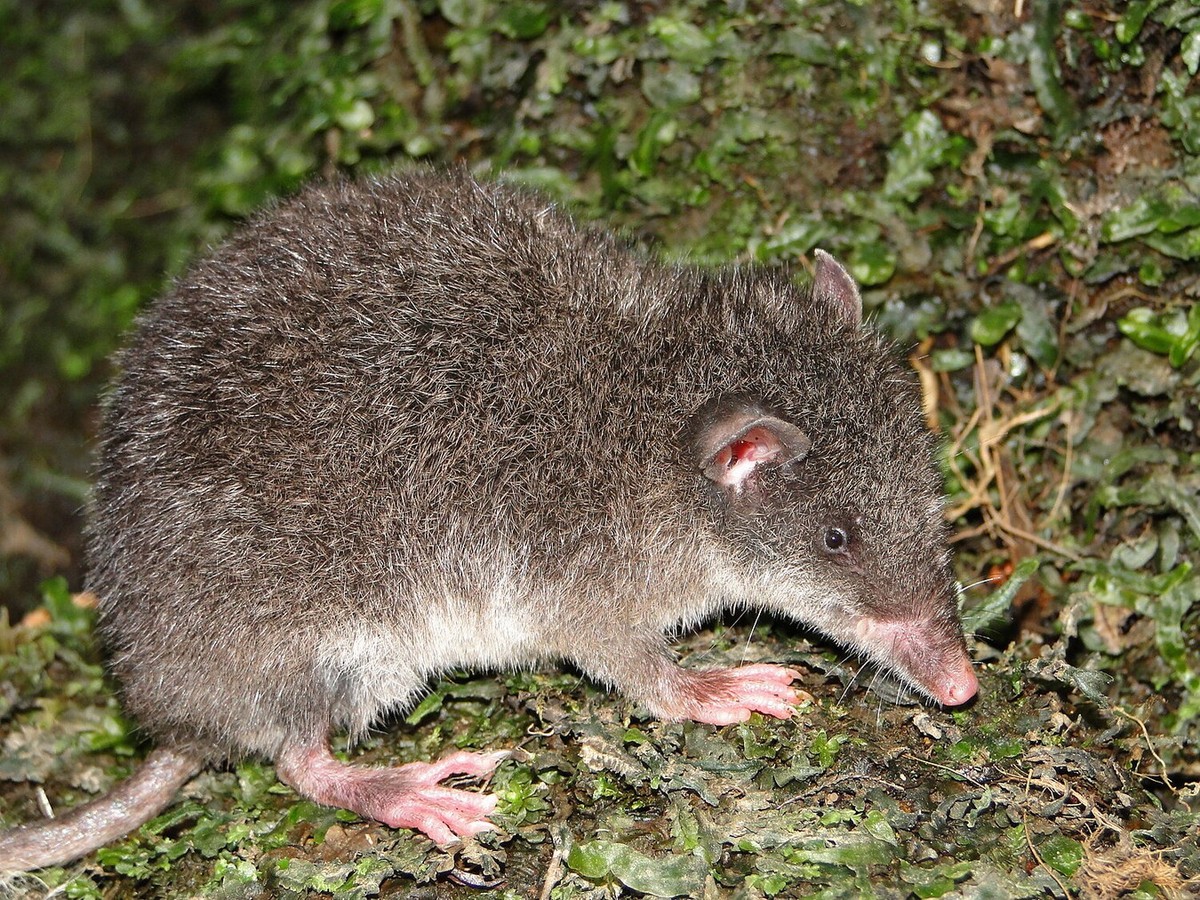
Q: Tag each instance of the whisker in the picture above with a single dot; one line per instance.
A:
(992, 579)
(721, 628)
(879, 707)
(750, 636)
(850, 682)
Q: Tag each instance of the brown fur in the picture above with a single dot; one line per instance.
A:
(406, 424)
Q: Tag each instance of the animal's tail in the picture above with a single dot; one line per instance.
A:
(130, 804)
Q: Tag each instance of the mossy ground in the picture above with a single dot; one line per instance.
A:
(1014, 184)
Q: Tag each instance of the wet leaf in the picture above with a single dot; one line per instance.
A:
(464, 13)
(873, 264)
(670, 876)
(683, 40)
(936, 881)
(1190, 52)
(993, 612)
(857, 851)
(1093, 685)
(1180, 107)
(806, 46)
(430, 704)
(922, 148)
(877, 826)
(670, 85)
(659, 132)
(797, 237)
(1044, 71)
(523, 21)
(1178, 649)
(1176, 336)
(1180, 244)
(993, 324)
(826, 748)
(1038, 332)
(951, 360)
(1170, 209)
(65, 614)
(755, 746)
(1186, 343)
(1061, 853)
(1129, 26)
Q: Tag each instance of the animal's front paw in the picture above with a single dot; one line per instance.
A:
(725, 696)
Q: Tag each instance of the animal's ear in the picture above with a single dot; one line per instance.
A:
(833, 285)
(734, 447)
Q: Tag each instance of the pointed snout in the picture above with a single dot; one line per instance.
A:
(955, 688)
(929, 652)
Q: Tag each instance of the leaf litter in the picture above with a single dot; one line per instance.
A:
(1046, 282)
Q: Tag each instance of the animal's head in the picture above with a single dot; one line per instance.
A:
(823, 487)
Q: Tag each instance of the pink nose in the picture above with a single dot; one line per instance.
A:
(959, 687)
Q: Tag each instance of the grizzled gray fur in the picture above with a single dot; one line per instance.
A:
(402, 425)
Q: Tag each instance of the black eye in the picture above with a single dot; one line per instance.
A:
(836, 540)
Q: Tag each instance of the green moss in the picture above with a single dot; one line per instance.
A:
(1018, 200)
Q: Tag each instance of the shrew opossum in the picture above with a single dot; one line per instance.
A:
(416, 423)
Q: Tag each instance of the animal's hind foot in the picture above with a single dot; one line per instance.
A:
(407, 796)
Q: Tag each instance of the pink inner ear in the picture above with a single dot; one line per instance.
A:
(737, 459)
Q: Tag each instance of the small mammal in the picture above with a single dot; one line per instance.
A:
(397, 426)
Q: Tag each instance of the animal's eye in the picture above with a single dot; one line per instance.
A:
(836, 540)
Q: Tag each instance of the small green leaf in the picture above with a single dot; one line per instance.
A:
(754, 746)
(806, 46)
(921, 149)
(826, 748)
(1038, 333)
(1186, 343)
(1180, 245)
(875, 824)
(658, 133)
(670, 86)
(873, 264)
(523, 21)
(936, 881)
(951, 359)
(1151, 274)
(356, 116)
(1139, 217)
(111, 733)
(856, 851)
(994, 610)
(65, 614)
(1175, 336)
(991, 325)
(347, 14)
(463, 13)
(1190, 51)
(797, 236)
(1142, 327)
(1061, 853)
(1129, 26)
(636, 736)
(683, 40)
(1090, 683)
(669, 876)
(431, 704)
(1044, 71)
